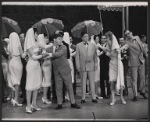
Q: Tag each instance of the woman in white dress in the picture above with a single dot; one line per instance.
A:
(95, 40)
(66, 38)
(15, 66)
(33, 68)
(97, 72)
(116, 75)
(46, 66)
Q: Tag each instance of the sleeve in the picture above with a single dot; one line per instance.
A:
(77, 57)
(60, 52)
(95, 56)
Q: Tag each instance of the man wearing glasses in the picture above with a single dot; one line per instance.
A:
(136, 62)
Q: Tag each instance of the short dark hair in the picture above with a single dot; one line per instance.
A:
(109, 34)
(57, 35)
(59, 32)
(83, 33)
(142, 36)
(94, 37)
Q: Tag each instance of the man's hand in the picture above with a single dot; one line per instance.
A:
(50, 54)
(44, 54)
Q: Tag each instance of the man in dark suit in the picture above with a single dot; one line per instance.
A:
(136, 62)
(62, 72)
(104, 71)
(24, 62)
(3, 82)
(124, 58)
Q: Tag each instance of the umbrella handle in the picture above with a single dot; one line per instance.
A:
(47, 31)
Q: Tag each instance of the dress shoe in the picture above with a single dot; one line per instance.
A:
(46, 101)
(143, 94)
(94, 101)
(99, 97)
(113, 102)
(15, 103)
(82, 101)
(35, 108)
(134, 99)
(8, 98)
(75, 106)
(59, 107)
(124, 102)
(28, 111)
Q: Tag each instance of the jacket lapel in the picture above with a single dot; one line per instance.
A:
(84, 48)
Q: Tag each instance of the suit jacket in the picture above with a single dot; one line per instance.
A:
(104, 66)
(86, 57)
(136, 52)
(60, 61)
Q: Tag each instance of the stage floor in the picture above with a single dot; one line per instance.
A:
(89, 111)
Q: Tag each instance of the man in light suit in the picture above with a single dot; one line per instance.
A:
(86, 63)
(62, 72)
(136, 62)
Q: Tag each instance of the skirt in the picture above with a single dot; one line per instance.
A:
(15, 71)
(34, 75)
(46, 73)
(113, 70)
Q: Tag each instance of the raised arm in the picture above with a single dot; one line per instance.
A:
(60, 53)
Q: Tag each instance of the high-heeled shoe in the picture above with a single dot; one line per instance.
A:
(113, 102)
(46, 101)
(37, 109)
(124, 102)
(28, 111)
(12, 101)
(15, 103)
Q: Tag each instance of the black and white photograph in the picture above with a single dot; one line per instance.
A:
(80, 61)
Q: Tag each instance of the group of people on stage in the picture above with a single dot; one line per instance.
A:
(36, 61)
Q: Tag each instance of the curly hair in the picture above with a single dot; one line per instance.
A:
(109, 34)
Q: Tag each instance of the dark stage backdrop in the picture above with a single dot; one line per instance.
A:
(26, 16)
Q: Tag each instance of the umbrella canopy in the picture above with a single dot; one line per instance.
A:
(49, 26)
(9, 26)
(89, 26)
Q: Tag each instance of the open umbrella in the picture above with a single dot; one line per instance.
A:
(48, 25)
(9, 26)
(89, 26)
